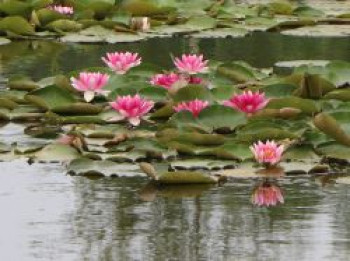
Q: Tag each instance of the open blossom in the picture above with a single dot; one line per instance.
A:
(248, 102)
(120, 62)
(66, 10)
(165, 80)
(267, 153)
(191, 64)
(195, 106)
(90, 83)
(132, 107)
(266, 195)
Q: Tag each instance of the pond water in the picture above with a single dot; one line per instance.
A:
(43, 59)
(48, 215)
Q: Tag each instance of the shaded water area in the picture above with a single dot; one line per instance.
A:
(48, 215)
(43, 59)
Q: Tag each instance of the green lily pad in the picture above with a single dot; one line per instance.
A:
(221, 33)
(56, 153)
(88, 167)
(186, 177)
(46, 16)
(50, 97)
(64, 25)
(334, 150)
(22, 84)
(14, 7)
(16, 25)
(307, 106)
(322, 30)
(331, 127)
(239, 72)
(192, 92)
(279, 90)
(4, 41)
(218, 116)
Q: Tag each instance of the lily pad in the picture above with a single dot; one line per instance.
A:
(56, 153)
(322, 30)
(186, 177)
(335, 150)
(88, 167)
(50, 97)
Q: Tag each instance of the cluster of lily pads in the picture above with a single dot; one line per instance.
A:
(198, 123)
(133, 20)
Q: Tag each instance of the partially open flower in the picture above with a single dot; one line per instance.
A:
(191, 64)
(90, 83)
(66, 10)
(266, 195)
(195, 106)
(267, 153)
(120, 62)
(165, 80)
(248, 102)
(132, 108)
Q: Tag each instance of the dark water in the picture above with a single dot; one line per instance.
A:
(47, 215)
(42, 59)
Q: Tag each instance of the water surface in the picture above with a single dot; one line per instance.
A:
(48, 215)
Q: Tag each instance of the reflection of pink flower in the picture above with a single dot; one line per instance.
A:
(266, 195)
(66, 10)
(268, 152)
(120, 62)
(195, 106)
(165, 80)
(132, 107)
(191, 64)
(248, 102)
(90, 83)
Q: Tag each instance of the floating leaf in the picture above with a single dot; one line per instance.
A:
(218, 116)
(64, 25)
(279, 90)
(4, 41)
(335, 150)
(50, 97)
(305, 105)
(14, 7)
(56, 153)
(192, 92)
(329, 125)
(17, 25)
(88, 167)
(322, 30)
(186, 177)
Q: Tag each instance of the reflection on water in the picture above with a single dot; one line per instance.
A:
(50, 216)
(267, 194)
(41, 59)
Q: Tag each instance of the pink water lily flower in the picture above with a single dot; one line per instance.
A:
(248, 102)
(121, 62)
(191, 64)
(267, 195)
(66, 10)
(267, 153)
(132, 108)
(90, 83)
(195, 106)
(165, 80)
